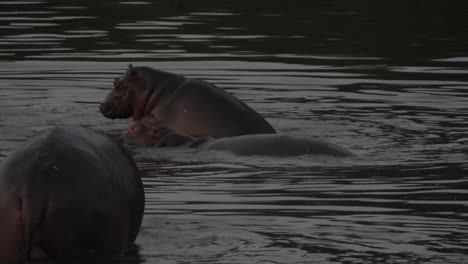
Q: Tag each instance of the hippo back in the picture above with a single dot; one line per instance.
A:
(69, 191)
(276, 145)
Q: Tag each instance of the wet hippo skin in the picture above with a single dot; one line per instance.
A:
(142, 134)
(69, 192)
(190, 106)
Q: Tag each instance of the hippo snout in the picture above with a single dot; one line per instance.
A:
(104, 108)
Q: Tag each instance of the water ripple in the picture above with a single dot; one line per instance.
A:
(395, 97)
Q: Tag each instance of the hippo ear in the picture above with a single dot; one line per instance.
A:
(132, 72)
(131, 69)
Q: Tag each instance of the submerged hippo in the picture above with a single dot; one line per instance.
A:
(142, 134)
(67, 193)
(190, 106)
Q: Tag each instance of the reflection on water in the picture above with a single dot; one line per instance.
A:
(388, 81)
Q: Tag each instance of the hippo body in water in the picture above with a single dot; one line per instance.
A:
(190, 106)
(68, 193)
(143, 134)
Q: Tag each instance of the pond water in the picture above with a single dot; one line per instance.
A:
(389, 81)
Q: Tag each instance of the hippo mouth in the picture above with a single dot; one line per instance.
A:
(107, 112)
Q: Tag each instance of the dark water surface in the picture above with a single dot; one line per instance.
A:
(388, 81)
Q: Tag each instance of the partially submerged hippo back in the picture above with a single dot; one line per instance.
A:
(69, 192)
(190, 106)
(143, 134)
(277, 145)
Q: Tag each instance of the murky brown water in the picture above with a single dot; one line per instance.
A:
(388, 81)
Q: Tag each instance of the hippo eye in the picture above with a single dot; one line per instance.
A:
(119, 88)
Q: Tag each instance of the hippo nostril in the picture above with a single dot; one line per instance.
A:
(133, 128)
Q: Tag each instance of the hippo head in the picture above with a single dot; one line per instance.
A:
(141, 134)
(130, 96)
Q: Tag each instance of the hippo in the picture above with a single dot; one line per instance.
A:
(190, 106)
(69, 192)
(142, 134)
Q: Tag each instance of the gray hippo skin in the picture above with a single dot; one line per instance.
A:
(68, 193)
(190, 106)
(142, 134)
